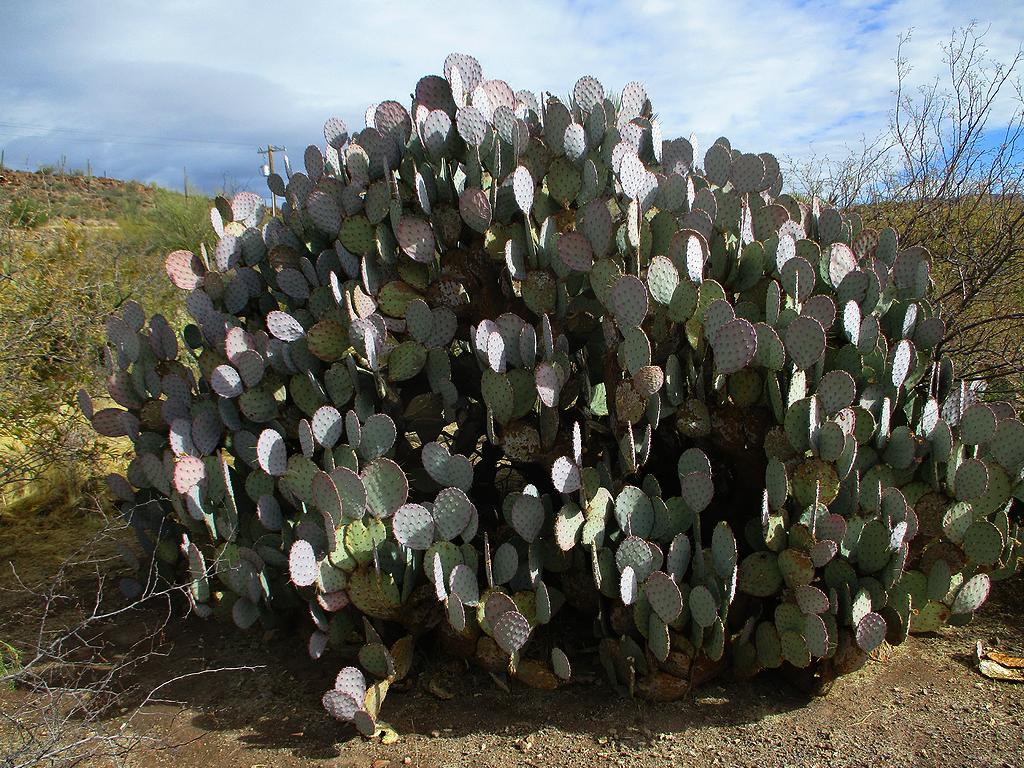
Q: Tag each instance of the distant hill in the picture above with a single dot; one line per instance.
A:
(77, 197)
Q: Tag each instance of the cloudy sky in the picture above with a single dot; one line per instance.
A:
(147, 88)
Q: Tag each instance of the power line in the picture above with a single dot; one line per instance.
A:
(76, 134)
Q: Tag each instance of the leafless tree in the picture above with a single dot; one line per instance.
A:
(948, 174)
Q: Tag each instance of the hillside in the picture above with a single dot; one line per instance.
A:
(71, 249)
(74, 197)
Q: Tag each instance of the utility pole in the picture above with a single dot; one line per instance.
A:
(269, 152)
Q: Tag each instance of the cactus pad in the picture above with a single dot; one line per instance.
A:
(386, 486)
(805, 341)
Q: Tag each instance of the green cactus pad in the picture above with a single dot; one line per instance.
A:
(723, 551)
(702, 606)
(796, 567)
(453, 512)
(662, 279)
(413, 526)
(527, 516)
(873, 548)
(930, 618)
(635, 553)
(406, 360)
(769, 645)
(386, 486)
(506, 563)
(634, 511)
(697, 490)
(977, 425)
(971, 480)
(759, 574)
(664, 596)
(560, 664)
(983, 543)
(817, 636)
(1007, 445)
(462, 583)
(794, 648)
(272, 453)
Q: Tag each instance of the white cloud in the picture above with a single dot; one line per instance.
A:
(776, 76)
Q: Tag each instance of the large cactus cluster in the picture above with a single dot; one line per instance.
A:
(503, 358)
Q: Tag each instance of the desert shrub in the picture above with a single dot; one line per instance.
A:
(25, 212)
(167, 222)
(10, 661)
(502, 359)
(56, 291)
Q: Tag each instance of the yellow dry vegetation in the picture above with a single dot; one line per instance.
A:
(62, 271)
(977, 247)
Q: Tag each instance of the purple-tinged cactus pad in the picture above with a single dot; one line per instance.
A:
(871, 631)
(629, 301)
(416, 238)
(575, 252)
(272, 452)
(284, 327)
(511, 630)
(972, 594)
(735, 345)
(565, 475)
(185, 270)
(805, 341)
(302, 563)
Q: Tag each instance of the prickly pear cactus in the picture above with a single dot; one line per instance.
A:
(503, 357)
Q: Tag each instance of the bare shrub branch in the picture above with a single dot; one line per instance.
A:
(948, 174)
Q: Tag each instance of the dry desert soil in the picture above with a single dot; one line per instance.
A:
(926, 705)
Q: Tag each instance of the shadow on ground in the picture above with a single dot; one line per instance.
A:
(276, 705)
(254, 699)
